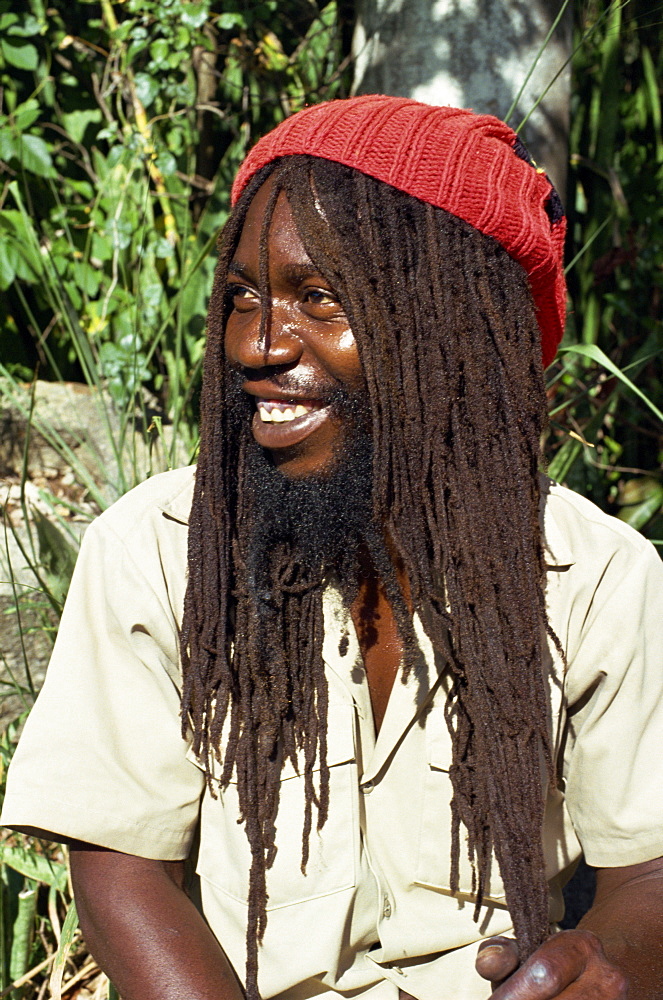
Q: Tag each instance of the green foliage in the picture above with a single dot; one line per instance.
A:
(27, 871)
(616, 278)
(67, 938)
(119, 138)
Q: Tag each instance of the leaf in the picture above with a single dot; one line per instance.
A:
(20, 56)
(35, 156)
(56, 554)
(166, 163)
(8, 144)
(8, 261)
(35, 866)
(26, 114)
(651, 85)
(27, 29)
(564, 460)
(23, 932)
(273, 56)
(641, 499)
(180, 44)
(194, 15)
(317, 49)
(17, 238)
(7, 19)
(596, 354)
(226, 22)
(102, 247)
(69, 929)
(87, 278)
(76, 122)
(30, 151)
(147, 88)
(159, 50)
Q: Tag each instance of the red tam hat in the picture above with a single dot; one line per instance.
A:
(473, 166)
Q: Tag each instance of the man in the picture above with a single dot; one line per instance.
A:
(406, 681)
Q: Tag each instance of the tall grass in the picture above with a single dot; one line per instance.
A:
(606, 438)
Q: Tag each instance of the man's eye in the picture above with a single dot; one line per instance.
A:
(241, 296)
(320, 297)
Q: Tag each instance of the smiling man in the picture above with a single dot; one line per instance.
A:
(385, 681)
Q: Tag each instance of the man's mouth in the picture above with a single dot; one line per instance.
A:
(279, 411)
(285, 423)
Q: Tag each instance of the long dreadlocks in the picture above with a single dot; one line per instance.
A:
(449, 345)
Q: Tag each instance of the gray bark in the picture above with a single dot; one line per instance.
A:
(473, 54)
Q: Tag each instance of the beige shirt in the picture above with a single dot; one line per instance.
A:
(102, 759)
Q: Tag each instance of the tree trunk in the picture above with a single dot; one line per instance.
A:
(473, 54)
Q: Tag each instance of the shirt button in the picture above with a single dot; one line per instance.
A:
(367, 787)
(386, 909)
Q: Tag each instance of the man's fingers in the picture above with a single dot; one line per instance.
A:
(539, 979)
(571, 961)
(497, 958)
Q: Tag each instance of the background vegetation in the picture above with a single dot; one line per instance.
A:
(121, 125)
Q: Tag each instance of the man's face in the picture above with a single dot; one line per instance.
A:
(307, 365)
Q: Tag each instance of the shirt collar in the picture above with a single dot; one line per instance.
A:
(177, 506)
(557, 552)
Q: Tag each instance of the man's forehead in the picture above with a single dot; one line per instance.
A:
(275, 225)
(294, 273)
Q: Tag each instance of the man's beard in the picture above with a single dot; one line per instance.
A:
(320, 520)
(315, 522)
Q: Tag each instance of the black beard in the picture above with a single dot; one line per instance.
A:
(315, 523)
(320, 520)
(295, 535)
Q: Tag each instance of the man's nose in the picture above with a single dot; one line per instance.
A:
(274, 343)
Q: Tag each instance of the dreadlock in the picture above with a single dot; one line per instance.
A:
(449, 345)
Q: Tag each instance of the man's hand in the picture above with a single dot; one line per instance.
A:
(570, 965)
(616, 951)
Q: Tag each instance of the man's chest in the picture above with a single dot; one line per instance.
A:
(379, 642)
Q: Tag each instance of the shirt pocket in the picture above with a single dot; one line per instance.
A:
(434, 851)
(224, 859)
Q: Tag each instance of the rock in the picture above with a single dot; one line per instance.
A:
(79, 458)
(24, 656)
(75, 430)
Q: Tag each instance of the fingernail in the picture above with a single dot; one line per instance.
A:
(491, 949)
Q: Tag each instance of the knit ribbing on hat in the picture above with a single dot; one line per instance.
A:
(452, 158)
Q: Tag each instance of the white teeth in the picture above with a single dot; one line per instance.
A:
(278, 416)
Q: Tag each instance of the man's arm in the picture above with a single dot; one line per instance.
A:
(627, 917)
(616, 951)
(144, 931)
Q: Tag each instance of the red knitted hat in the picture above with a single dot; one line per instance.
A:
(472, 166)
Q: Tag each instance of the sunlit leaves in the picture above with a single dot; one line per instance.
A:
(610, 393)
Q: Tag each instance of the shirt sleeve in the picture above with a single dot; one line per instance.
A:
(613, 766)
(102, 758)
